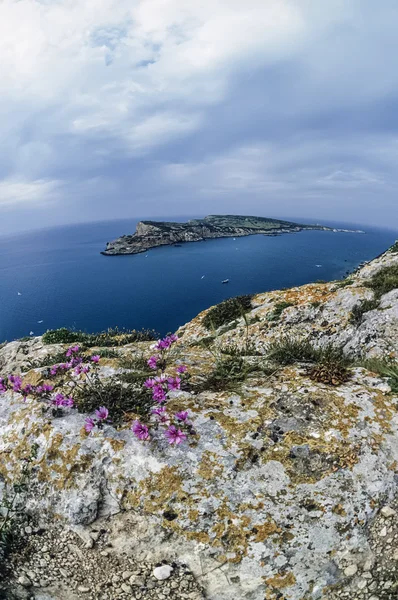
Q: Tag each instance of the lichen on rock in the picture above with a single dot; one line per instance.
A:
(282, 477)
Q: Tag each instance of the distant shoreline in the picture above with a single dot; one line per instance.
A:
(153, 234)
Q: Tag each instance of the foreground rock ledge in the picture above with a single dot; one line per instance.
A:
(281, 484)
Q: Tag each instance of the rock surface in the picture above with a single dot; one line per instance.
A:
(279, 496)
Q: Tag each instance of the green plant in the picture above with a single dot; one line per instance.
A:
(278, 309)
(360, 309)
(288, 350)
(394, 247)
(11, 507)
(120, 399)
(331, 366)
(227, 311)
(111, 337)
(315, 304)
(344, 283)
(248, 349)
(384, 281)
(107, 353)
(385, 368)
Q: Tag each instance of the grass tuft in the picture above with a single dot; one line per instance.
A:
(227, 311)
(111, 337)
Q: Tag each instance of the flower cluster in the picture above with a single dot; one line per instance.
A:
(75, 365)
(101, 414)
(178, 426)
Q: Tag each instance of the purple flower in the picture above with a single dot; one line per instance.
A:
(160, 410)
(181, 368)
(140, 430)
(149, 383)
(28, 389)
(58, 400)
(102, 413)
(47, 387)
(53, 370)
(174, 435)
(16, 382)
(182, 415)
(89, 424)
(95, 358)
(174, 383)
(153, 362)
(81, 369)
(158, 393)
(72, 350)
(161, 379)
(68, 402)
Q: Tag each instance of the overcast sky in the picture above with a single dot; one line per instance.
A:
(125, 108)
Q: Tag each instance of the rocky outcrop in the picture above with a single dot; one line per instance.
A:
(151, 234)
(275, 496)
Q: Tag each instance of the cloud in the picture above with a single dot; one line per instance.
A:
(38, 192)
(162, 102)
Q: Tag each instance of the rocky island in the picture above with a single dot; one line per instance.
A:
(151, 234)
(281, 485)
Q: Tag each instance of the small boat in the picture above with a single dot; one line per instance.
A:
(225, 281)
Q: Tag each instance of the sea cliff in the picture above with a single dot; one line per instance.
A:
(285, 487)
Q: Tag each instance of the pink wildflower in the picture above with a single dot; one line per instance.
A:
(95, 358)
(102, 413)
(72, 350)
(53, 370)
(174, 435)
(158, 393)
(89, 424)
(140, 430)
(153, 362)
(181, 368)
(46, 387)
(16, 382)
(149, 383)
(174, 383)
(182, 415)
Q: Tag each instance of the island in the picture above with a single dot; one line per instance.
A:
(151, 234)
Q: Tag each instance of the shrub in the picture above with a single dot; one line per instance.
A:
(394, 247)
(360, 309)
(331, 367)
(111, 337)
(344, 283)
(288, 350)
(227, 311)
(119, 398)
(278, 310)
(384, 281)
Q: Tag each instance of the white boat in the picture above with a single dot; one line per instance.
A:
(225, 281)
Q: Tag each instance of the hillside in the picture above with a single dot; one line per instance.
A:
(278, 481)
(151, 234)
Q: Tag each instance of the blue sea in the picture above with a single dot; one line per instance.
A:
(58, 278)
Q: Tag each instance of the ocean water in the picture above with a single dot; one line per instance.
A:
(58, 278)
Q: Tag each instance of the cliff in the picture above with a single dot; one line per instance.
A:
(151, 234)
(286, 487)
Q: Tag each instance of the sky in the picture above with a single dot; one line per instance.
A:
(137, 108)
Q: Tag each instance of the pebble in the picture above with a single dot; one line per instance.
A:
(383, 532)
(126, 588)
(162, 572)
(83, 589)
(350, 570)
(24, 581)
(388, 512)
